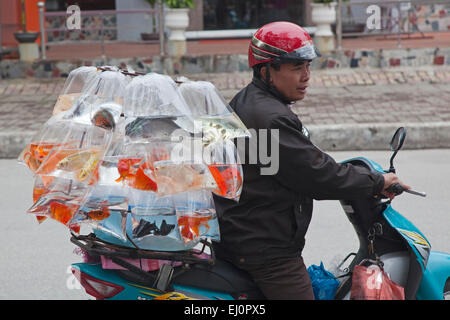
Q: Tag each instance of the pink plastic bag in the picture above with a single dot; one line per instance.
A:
(372, 283)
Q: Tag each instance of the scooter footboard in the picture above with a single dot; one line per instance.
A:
(435, 277)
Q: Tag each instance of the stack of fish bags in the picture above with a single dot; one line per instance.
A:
(137, 158)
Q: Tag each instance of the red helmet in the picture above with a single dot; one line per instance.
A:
(281, 42)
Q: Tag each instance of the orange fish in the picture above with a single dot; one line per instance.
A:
(221, 185)
(38, 152)
(99, 214)
(143, 181)
(125, 168)
(228, 180)
(61, 212)
(189, 225)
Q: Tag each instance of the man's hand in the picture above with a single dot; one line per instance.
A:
(390, 179)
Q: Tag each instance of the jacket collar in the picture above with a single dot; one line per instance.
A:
(271, 89)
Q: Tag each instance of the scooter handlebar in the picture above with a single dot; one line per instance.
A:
(397, 189)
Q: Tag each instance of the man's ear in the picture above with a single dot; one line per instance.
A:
(264, 74)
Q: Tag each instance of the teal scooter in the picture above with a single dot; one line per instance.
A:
(384, 235)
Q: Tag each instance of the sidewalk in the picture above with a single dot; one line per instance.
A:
(344, 109)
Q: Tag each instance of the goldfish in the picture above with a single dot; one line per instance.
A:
(189, 225)
(74, 161)
(36, 152)
(143, 181)
(99, 214)
(228, 179)
(62, 212)
(221, 185)
(132, 172)
(88, 167)
(126, 168)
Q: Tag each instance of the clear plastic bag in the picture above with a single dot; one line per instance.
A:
(128, 164)
(101, 205)
(203, 98)
(101, 101)
(73, 87)
(224, 164)
(153, 222)
(219, 128)
(212, 115)
(154, 95)
(174, 177)
(154, 128)
(78, 155)
(196, 216)
(53, 135)
(58, 199)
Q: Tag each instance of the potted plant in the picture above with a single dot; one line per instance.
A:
(323, 15)
(23, 36)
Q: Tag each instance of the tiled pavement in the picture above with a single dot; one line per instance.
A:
(343, 97)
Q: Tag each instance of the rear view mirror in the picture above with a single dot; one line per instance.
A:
(396, 144)
(398, 139)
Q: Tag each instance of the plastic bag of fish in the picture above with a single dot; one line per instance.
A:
(213, 117)
(172, 223)
(58, 199)
(104, 208)
(225, 166)
(77, 154)
(100, 102)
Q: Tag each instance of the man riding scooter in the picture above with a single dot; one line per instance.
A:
(264, 233)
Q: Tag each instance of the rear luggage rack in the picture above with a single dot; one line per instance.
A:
(95, 246)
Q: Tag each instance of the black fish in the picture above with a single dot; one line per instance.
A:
(146, 228)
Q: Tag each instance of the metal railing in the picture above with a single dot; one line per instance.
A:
(400, 24)
(154, 15)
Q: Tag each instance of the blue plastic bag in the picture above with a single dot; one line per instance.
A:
(323, 282)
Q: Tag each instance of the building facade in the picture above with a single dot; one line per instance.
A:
(206, 15)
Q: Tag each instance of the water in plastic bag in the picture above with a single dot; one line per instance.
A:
(323, 282)
(100, 203)
(58, 199)
(196, 216)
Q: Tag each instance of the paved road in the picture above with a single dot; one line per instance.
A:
(35, 257)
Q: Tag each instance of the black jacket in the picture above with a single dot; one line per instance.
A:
(274, 211)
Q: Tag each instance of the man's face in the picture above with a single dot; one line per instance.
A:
(291, 80)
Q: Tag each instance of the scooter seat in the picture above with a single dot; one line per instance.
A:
(222, 277)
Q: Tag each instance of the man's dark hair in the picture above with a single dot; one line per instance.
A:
(275, 65)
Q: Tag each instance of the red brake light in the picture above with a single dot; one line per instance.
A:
(95, 287)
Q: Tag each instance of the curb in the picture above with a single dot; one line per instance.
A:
(337, 137)
(349, 137)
